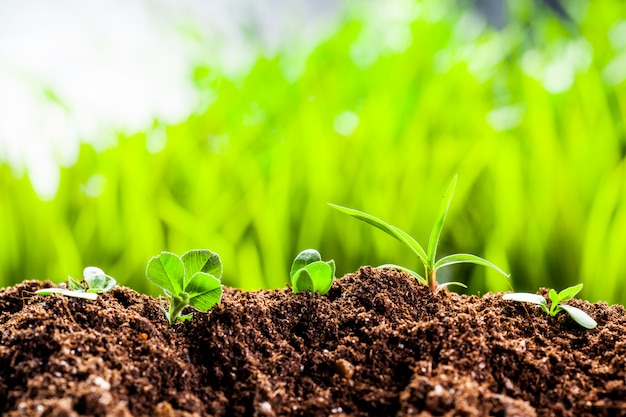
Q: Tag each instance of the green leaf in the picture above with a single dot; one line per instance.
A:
(579, 316)
(387, 228)
(415, 275)
(94, 277)
(97, 280)
(302, 281)
(321, 274)
(325, 281)
(435, 233)
(304, 258)
(75, 285)
(525, 297)
(447, 284)
(569, 292)
(331, 264)
(204, 291)
(466, 258)
(109, 284)
(69, 293)
(201, 260)
(554, 297)
(167, 271)
(310, 273)
(184, 317)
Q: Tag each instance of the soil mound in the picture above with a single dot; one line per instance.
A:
(378, 344)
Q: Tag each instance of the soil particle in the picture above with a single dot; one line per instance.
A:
(378, 344)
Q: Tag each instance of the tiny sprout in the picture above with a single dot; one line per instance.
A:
(556, 307)
(191, 280)
(97, 282)
(427, 258)
(310, 273)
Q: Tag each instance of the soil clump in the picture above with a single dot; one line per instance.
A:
(378, 344)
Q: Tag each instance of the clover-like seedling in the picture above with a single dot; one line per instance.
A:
(191, 280)
(556, 307)
(310, 273)
(427, 258)
(95, 278)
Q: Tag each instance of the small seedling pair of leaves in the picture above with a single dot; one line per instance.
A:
(95, 278)
(556, 307)
(310, 273)
(191, 280)
(426, 257)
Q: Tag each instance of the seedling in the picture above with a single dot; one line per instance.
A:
(427, 258)
(556, 307)
(191, 280)
(95, 278)
(310, 273)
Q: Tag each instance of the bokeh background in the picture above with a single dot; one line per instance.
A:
(128, 128)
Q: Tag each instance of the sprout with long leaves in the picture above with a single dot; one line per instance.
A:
(426, 257)
(556, 298)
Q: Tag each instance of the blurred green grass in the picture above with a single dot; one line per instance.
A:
(379, 119)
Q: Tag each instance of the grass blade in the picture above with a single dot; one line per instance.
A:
(415, 275)
(447, 284)
(387, 228)
(433, 241)
(466, 258)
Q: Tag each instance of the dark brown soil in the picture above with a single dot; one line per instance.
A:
(377, 344)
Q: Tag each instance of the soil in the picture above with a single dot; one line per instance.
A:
(378, 344)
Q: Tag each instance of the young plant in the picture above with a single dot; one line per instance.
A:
(191, 280)
(95, 278)
(310, 273)
(426, 257)
(556, 307)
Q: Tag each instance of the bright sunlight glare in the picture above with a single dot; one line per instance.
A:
(77, 71)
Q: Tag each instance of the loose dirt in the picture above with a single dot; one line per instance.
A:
(378, 344)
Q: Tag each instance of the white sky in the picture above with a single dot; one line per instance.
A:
(73, 70)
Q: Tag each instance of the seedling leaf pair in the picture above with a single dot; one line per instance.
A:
(310, 273)
(193, 279)
(95, 278)
(427, 258)
(556, 307)
(97, 281)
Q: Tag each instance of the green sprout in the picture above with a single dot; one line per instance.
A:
(95, 278)
(556, 307)
(427, 258)
(310, 273)
(191, 280)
